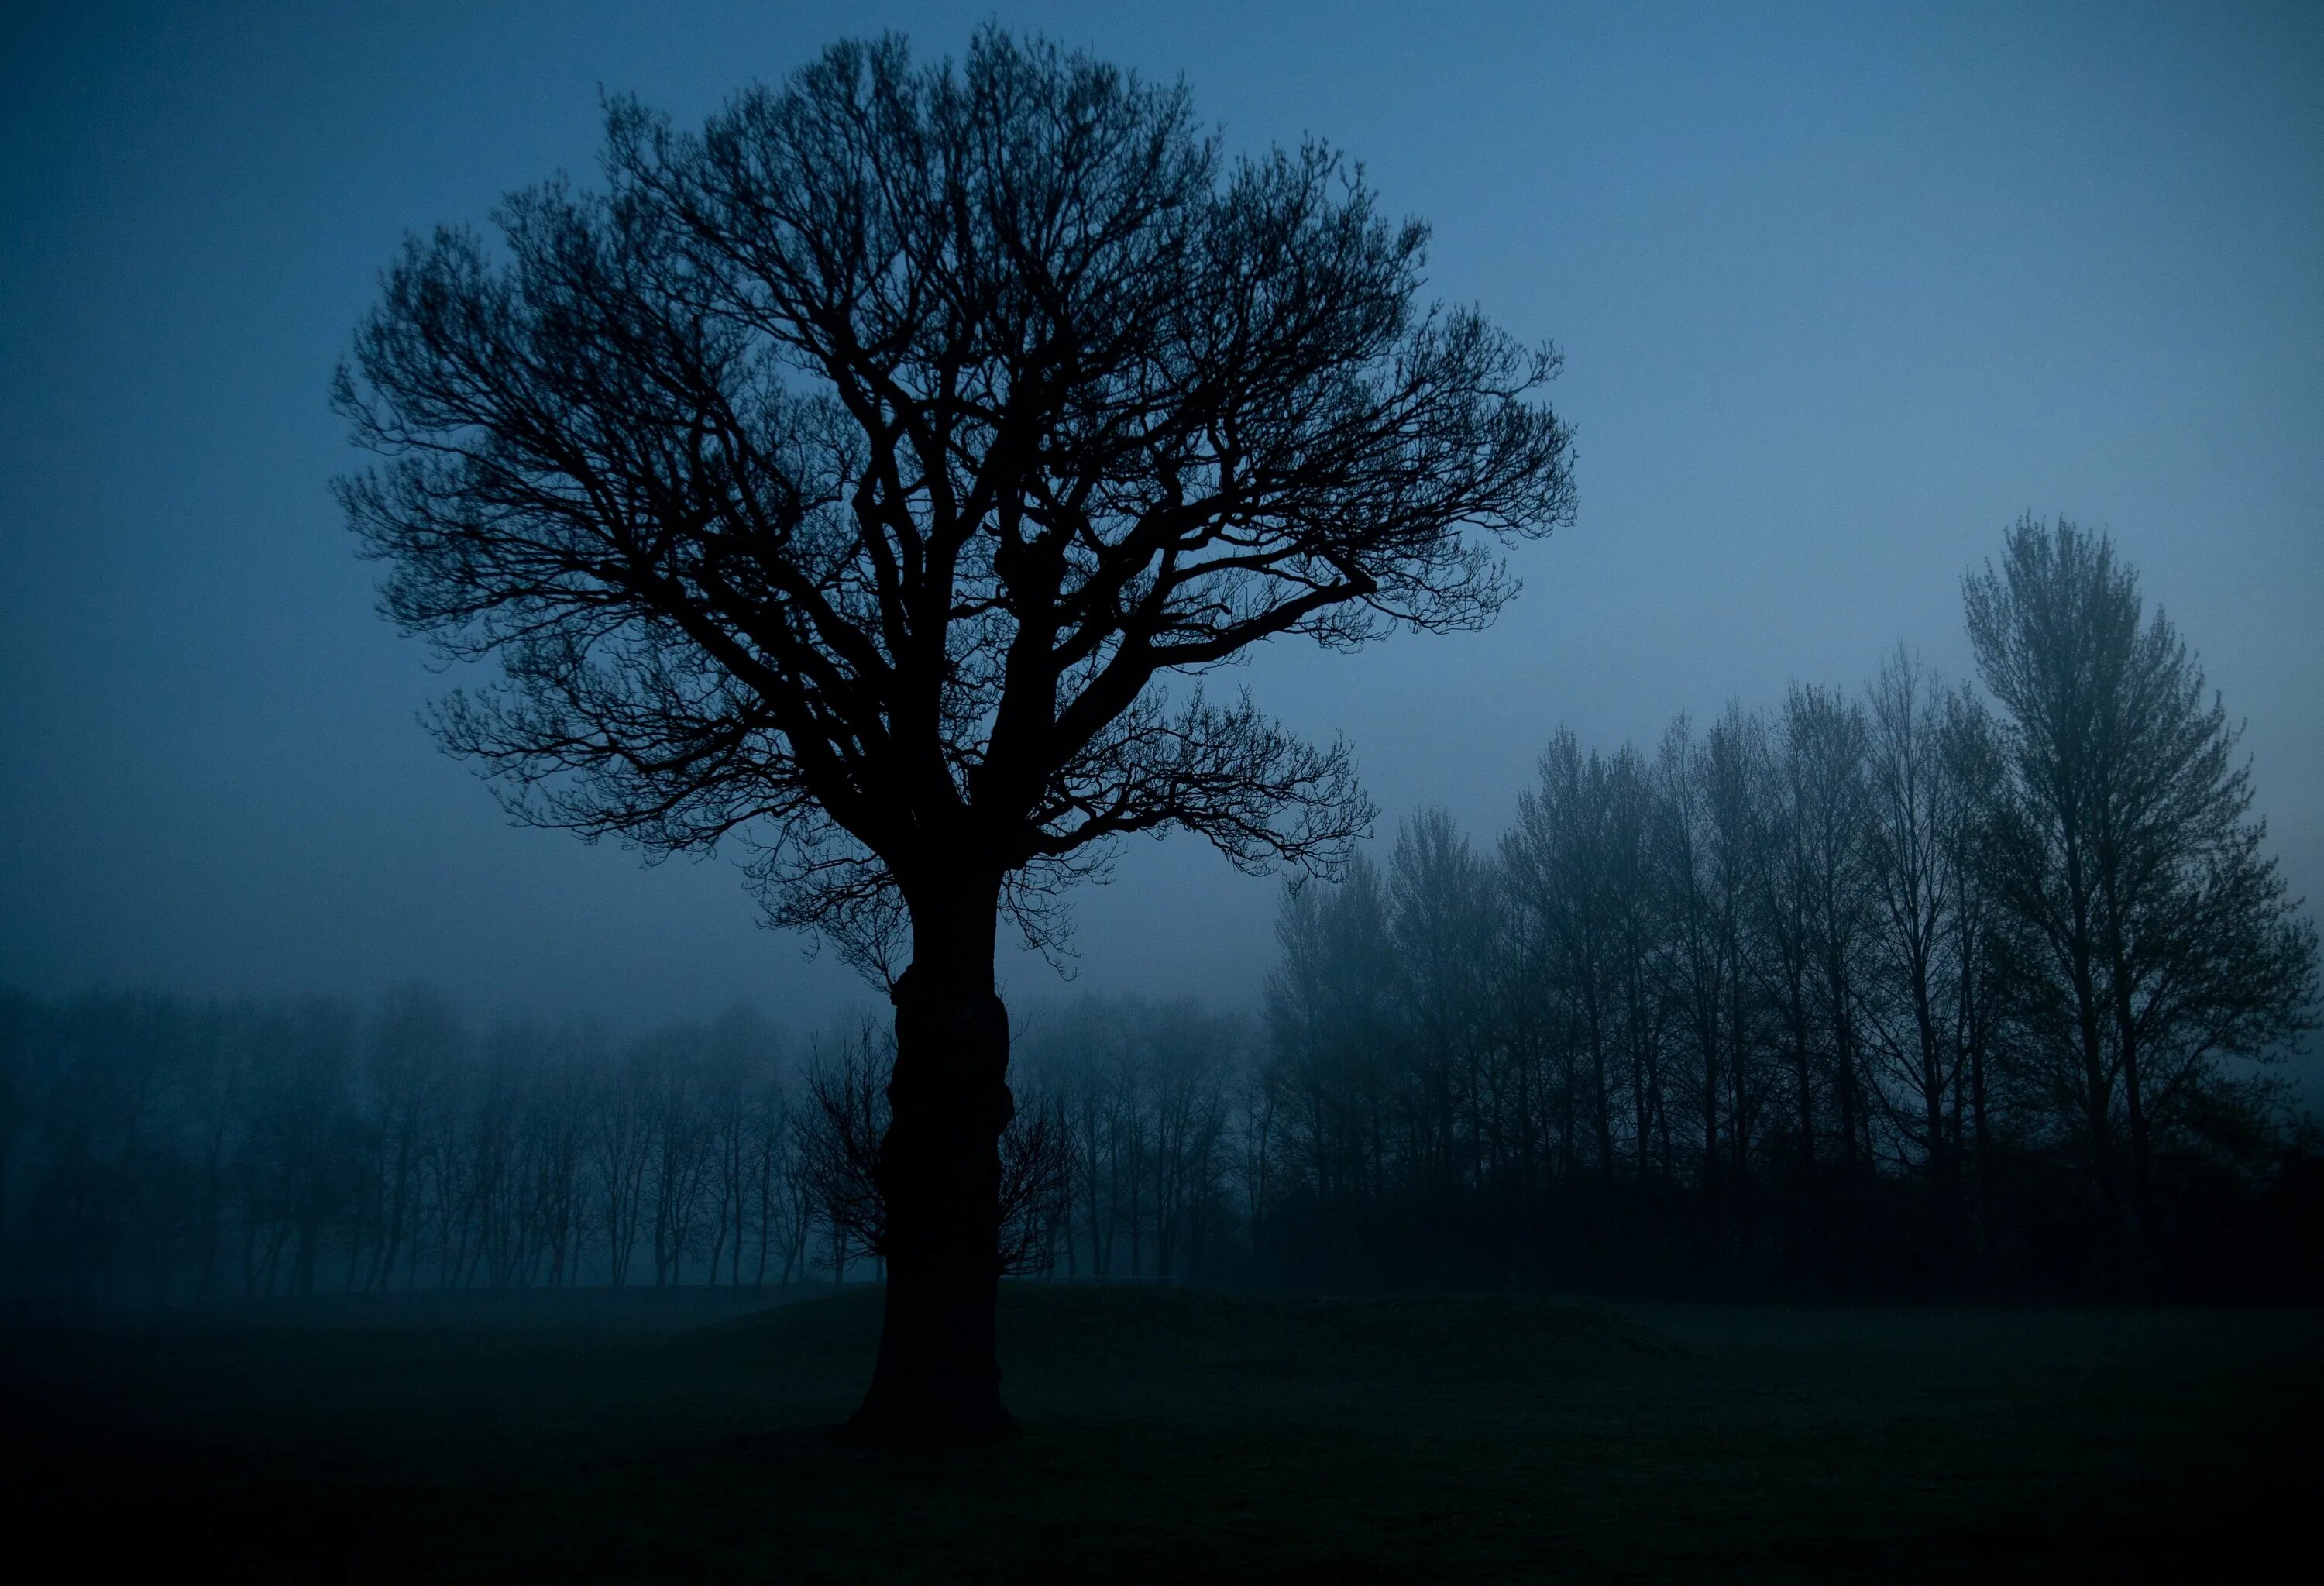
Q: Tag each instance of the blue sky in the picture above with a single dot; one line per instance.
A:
(1841, 290)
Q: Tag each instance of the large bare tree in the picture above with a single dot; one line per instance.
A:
(872, 475)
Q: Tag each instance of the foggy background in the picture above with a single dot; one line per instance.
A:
(1841, 295)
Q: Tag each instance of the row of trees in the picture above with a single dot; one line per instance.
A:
(1914, 988)
(155, 1149)
(1917, 988)
(161, 1150)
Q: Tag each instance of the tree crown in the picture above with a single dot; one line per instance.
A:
(857, 474)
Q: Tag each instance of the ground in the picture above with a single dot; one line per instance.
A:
(1170, 1434)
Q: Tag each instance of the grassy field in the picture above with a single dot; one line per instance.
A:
(1172, 1434)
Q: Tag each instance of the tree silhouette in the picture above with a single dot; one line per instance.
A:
(2157, 936)
(873, 475)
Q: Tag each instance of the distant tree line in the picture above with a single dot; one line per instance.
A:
(1920, 989)
(163, 1150)
(1917, 990)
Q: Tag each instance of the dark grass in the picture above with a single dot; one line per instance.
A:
(1176, 1435)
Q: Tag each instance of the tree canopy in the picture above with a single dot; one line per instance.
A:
(875, 474)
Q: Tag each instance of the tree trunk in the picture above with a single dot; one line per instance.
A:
(937, 1379)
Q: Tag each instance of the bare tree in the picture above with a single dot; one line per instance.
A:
(863, 468)
(870, 473)
(1556, 857)
(678, 1127)
(1257, 1097)
(1695, 948)
(1634, 919)
(1974, 763)
(770, 1154)
(2128, 849)
(842, 1139)
(1327, 1007)
(739, 1055)
(408, 1052)
(1444, 918)
(1914, 814)
(1823, 762)
(1037, 1176)
(301, 1167)
(1734, 779)
(563, 1114)
(1080, 1055)
(621, 1145)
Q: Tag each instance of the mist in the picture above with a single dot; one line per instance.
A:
(1775, 919)
(1839, 301)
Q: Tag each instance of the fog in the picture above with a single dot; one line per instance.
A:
(1841, 294)
(1789, 1084)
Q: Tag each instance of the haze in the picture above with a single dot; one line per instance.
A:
(1841, 293)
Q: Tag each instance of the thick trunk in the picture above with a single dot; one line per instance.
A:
(938, 1376)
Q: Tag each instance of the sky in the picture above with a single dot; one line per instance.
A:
(1841, 290)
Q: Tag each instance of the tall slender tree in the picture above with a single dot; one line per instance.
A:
(2129, 850)
(1914, 812)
